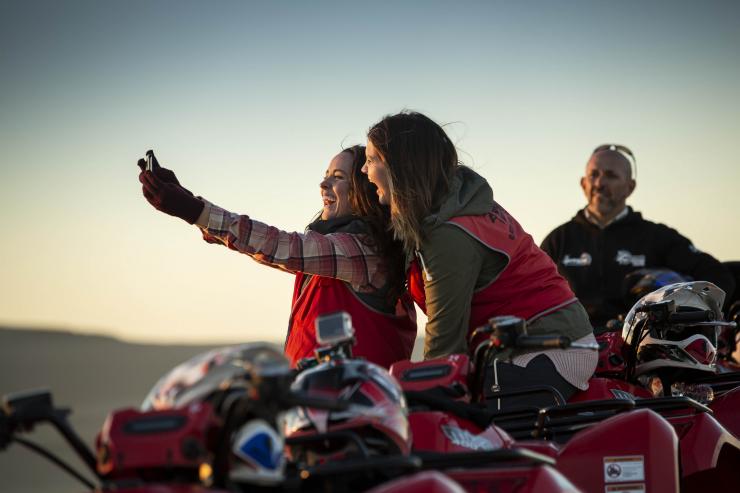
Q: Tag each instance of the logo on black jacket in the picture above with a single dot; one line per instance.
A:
(582, 261)
(625, 257)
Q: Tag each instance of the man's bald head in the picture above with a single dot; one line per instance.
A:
(607, 184)
(615, 157)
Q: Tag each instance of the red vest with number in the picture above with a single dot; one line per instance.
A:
(381, 338)
(529, 285)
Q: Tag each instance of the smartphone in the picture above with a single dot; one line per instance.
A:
(150, 161)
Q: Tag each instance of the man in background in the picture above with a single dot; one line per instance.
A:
(606, 240)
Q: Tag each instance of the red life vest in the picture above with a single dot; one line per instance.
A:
(528, 287)
(381, 338)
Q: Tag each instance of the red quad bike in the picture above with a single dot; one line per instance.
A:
(209, 426)
(378, 428)
(666, 346)
(598, 446)
(618, 435)
(666, 353)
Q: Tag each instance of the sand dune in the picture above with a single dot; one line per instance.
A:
(90, 374)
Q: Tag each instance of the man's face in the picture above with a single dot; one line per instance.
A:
(608, 183)
(377, 173)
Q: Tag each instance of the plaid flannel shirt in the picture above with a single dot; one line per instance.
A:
(341, 256)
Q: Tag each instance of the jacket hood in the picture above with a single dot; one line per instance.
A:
(469, 195)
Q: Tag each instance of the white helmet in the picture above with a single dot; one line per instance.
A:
(675, 326)
(256, 445)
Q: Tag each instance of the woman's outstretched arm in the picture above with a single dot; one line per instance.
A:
(342, 256)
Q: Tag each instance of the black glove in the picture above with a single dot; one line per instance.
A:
(170, 197)
(164, 174)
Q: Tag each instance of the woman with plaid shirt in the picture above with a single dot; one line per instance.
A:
(345, 260)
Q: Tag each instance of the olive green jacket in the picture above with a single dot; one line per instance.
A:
(455, 265)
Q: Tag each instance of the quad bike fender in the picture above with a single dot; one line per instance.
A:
(638, 448)
(422, 482)
(727, 411)
(706, 445)
(514, 480)
(435, 431)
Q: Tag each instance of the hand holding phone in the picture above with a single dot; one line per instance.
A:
(150, 163)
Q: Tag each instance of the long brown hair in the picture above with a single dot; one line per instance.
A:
(421, 160)
(363, 198)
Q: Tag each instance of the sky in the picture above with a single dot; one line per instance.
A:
(248, 101)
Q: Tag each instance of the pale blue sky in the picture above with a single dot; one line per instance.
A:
(248, 101)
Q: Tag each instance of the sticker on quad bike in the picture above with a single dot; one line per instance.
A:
(624, 468)
(625, 488)
(623, 394)
(464, 438)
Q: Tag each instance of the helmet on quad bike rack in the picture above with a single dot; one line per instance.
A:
(208, 373)
(729, 337)
(374, 423)
(254, 446)
(675, 327)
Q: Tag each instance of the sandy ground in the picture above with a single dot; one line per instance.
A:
(89, 374)
(92, 375)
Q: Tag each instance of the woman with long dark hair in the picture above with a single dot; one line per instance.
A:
(470, 260)
(346, 259)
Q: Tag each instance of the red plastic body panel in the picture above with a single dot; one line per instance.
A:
(635, 447)
(609, 388)
(452, 370)
(709, 449)
(610, 361)
(422, 482)
(536, 479)
(133, 441)
(727, 411)
(703, 441)
(436, 431)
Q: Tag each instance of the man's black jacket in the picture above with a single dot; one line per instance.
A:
(595, 261)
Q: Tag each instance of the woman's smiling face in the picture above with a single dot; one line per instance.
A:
(377, 172)
(335, 187)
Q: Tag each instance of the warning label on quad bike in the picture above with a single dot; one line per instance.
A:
(625, 488)
(624, 468)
